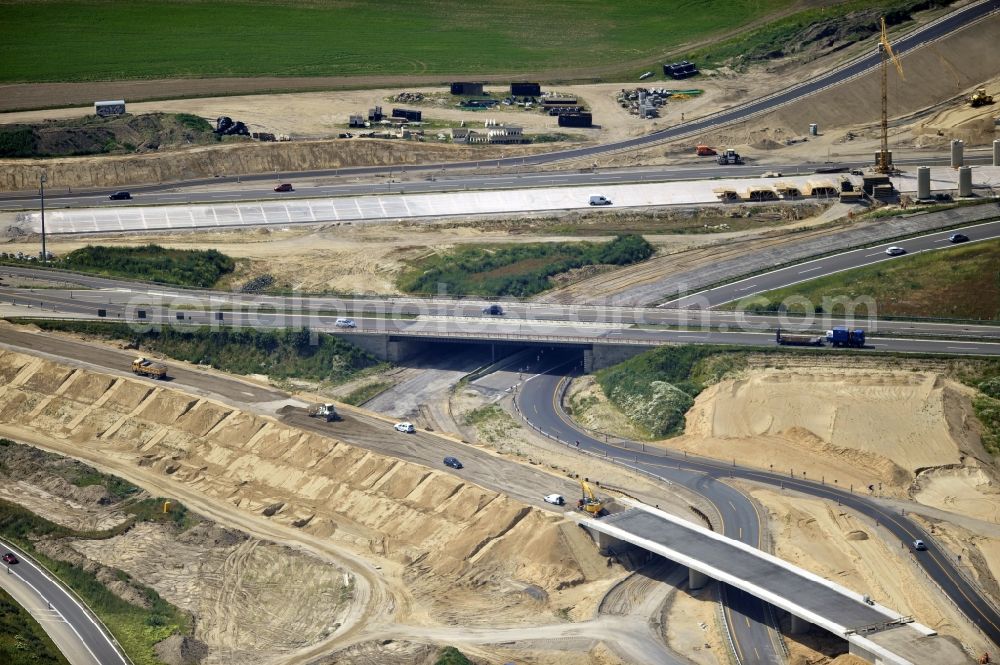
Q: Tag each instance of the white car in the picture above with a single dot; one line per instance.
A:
(405, 427)
(345, 323)
(895, 251)
(555, 499)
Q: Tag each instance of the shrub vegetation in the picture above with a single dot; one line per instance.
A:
(519, 270)
(655, 389)
(451, 656)
(22, 639)
(185, 267)
(280, 354)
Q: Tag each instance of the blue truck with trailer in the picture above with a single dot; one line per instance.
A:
(844, 336)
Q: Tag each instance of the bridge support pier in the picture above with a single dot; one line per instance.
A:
(799, 626)
(384, 347)
(696, 580)
(862, 653)
(600, 356)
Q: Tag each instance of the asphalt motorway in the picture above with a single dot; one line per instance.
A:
(748, 618)
(73, 628)
(745, 289)
(44, 303)
(539, 404)
(391, 181)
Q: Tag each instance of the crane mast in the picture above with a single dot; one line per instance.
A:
(884, 164)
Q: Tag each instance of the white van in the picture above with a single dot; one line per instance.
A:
(345, 323)
(599, 201)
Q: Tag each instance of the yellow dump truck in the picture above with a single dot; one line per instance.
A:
(146, 367)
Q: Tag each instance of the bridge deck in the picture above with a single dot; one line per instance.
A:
(807, 593)
(872, 627)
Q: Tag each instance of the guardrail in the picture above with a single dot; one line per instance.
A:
(726, 628)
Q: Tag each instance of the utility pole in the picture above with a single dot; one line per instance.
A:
(41, 191)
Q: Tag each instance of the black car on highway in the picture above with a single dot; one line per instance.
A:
(958, 237)
(452, 462)
(493, 310)
(120, 196)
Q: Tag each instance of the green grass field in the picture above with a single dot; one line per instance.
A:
(86, 40)
(961, 282)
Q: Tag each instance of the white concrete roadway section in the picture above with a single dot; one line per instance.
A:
(762, 575)
(380, 208)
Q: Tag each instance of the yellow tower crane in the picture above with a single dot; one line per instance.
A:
(884, 164)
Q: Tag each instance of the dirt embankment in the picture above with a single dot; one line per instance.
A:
(230, 160)
(837, 545)
(860, 427)
(468, 553)
(200, 569)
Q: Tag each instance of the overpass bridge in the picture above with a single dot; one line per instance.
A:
(873, 632)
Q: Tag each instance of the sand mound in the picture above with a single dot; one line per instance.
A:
(891, 424)
(180, 650)
(454, 537)
(972, 491)
(857, 534)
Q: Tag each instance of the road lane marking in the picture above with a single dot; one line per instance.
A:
(802, 272)
(875, 254)
(747, 287)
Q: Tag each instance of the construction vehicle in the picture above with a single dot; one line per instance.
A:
(883, 162)
(589, 502)
(705, 151)
(326, 411)
(844, 336)
(146, 367)
(797, 339)
(730, 156)
(980, 98)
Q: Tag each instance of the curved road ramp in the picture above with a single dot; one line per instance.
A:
(875, 633)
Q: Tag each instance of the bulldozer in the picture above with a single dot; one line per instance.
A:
(327, 412)
(980, 98)
(589, 502)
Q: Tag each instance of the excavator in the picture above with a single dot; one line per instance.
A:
(589, 502)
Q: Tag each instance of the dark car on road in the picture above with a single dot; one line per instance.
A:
(120, 196)
(452, 462)
(284, 187)
(958, 237)
(9, 558)
(493, 310)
